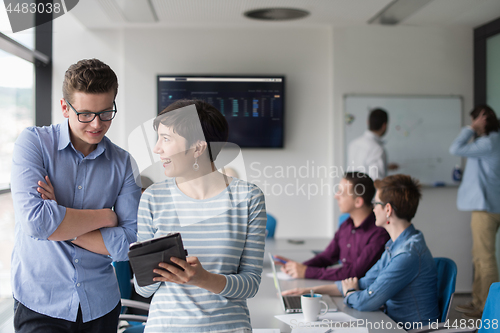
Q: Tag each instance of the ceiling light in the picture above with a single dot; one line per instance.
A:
(276, 14)
(397, 11)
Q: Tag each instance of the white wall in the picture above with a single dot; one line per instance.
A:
(303, 55)
(412, 60)
(321, 65)
(72, 42)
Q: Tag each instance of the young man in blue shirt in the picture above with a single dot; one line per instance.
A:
(479, 192)
(75, 200)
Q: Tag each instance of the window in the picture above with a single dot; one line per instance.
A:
(25, 92)
(486, 49)
(16, 107)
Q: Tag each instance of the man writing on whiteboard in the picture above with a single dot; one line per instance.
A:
(366, 153)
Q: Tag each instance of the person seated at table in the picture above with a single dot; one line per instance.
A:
(404, 280)
(222, 222)
(358, 243)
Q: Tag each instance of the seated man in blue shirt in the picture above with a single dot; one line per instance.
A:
(404, 280)
(75, 200)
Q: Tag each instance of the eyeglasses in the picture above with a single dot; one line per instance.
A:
(88, 117)
(374, 203)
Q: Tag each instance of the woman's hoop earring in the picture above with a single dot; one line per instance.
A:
(196, 166)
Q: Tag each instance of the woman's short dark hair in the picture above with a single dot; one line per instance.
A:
(377, 119)
(492, 123)
(213, 124)
(362, 186)
(402, 192)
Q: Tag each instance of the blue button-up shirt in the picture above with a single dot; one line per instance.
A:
(55, 277)
(480, 187)
(404, 280)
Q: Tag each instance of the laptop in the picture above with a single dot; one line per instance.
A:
(291, 304)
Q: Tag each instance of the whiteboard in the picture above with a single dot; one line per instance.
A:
(420, 132)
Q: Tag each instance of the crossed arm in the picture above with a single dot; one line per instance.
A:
(82, 224)
(41, 217)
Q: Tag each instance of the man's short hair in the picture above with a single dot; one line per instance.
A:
(362, 186)
(90, 76)
(492, 123)
(402, 192)
(213, 124)
(377, 118)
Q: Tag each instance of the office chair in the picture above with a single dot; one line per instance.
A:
(446, 281)
(129, 307)
(270, 226)
(447, 278)
(491, 310)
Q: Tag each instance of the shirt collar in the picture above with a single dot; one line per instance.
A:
(370, 220)
(407, 233)
(101, 148)
(64, 141)
(369, 134)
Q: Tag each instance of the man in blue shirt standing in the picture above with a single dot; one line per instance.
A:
(75, 200)
(479, 192)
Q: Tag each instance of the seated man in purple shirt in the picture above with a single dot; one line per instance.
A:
(358, 243)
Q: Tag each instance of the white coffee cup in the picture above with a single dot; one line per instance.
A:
(311, 306)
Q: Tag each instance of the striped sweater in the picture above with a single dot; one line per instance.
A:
(227, 234)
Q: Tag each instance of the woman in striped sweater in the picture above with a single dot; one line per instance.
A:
(222, 222)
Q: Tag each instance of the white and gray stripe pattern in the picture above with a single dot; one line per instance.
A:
(227, 234)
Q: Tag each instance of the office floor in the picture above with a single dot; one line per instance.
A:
(6, 315)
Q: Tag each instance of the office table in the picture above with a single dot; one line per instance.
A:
(265, 305)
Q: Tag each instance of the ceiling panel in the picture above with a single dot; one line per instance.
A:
(467, 13)
(326, 12)
(106, 13)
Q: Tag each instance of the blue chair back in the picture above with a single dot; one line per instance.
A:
(491, 310)
(270, 226)
(343, 217)
(124, 276)
(447, 278)
(122, 270)
(134, 329)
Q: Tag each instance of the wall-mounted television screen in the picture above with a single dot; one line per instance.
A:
(253, 105)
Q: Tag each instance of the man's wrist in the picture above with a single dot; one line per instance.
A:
(303, 272)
